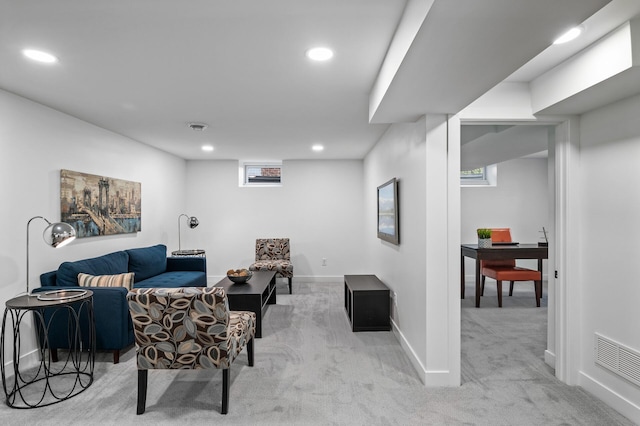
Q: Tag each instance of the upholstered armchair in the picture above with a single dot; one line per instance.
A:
(187, 328)
(273, 254)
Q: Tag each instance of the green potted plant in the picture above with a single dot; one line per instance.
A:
(484, 237)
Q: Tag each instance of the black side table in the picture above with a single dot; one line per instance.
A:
(49, 382)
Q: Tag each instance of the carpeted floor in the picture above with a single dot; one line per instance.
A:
(310, 369)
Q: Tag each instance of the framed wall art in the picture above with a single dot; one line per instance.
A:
(99, 205)
(388, 217)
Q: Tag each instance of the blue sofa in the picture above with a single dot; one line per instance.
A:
(151, 268)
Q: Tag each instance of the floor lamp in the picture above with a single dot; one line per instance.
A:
(55, 234)
(193, 222)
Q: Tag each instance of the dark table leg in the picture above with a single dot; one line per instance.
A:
(539, 285)
(272, 287)
(256, 306)
(462, 277)
(540, 267)
(477, 283)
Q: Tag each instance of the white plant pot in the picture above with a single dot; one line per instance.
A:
(484, 242)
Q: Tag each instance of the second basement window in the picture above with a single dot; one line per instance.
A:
(262, 174)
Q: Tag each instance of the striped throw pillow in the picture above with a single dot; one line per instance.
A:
(120, 280)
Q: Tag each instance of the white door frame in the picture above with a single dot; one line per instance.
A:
(563, 291)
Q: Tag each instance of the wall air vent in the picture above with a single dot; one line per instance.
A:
(618, 358)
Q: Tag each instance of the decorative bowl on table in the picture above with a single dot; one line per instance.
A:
(239, 276)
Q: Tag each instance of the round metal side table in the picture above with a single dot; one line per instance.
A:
(189, 253)
(48, 382)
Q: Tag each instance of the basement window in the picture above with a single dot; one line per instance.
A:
(261, 174)
(481, 176)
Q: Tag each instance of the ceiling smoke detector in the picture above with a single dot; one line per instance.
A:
(198, 127)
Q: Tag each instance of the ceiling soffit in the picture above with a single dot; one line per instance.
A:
(457, 56)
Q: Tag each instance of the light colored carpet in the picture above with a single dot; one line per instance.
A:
(310, 369)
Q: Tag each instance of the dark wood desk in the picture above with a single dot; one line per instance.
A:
(520, 251)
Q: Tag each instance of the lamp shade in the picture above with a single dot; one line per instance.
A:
(193, 222)
(59, 234)
(56, 235)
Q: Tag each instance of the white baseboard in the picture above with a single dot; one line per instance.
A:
(213, 279)
(319, 278)
(27, 361)
(413, 358)
(428, 378)
(550, 359)
(610, 397)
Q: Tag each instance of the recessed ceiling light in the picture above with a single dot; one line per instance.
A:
(320, 54)
(207, 148)
(40, 56)
(572, 34)
(317, 148)
(198, 127)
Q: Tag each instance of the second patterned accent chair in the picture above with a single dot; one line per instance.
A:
(273, 254)
(187, 328)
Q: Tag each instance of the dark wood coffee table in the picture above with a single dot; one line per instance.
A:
(255, 295)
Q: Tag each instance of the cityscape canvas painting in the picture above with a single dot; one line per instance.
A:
(98, 205)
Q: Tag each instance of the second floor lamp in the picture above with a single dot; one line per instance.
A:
(193, 222)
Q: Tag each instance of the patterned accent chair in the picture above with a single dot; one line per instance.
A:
(188, 328)
(273, 254)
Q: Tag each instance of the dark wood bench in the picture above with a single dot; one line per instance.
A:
(367, 302)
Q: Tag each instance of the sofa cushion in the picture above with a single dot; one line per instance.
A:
(121, 280)
(109, 264)
(48, 279)
(147, 262)
(175, 279)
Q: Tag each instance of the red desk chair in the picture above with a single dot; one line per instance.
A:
(506, 270)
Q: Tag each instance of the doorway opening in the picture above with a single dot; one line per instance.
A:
(523, 199)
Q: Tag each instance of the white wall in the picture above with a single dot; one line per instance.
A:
(519, 201)
(416, 270)
(609, 231)
(318, 206)
(35, 143)
(401, 153)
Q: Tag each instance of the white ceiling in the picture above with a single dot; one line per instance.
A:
(146, 68)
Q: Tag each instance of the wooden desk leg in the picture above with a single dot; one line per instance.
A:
(540, 267)
(541, 278)
(462, 277)
(477, 283)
